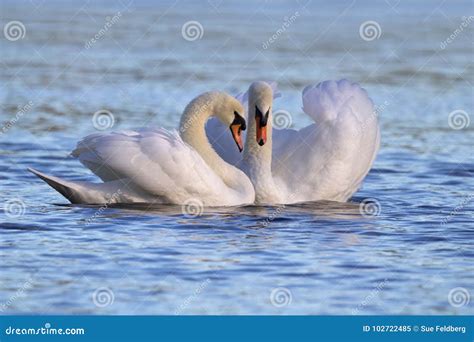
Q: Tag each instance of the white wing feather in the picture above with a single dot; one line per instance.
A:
(330, 158)
(155, 161)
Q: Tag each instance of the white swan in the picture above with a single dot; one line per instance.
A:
(160, 166)
(326, 160)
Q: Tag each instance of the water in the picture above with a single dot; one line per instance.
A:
(327, 257)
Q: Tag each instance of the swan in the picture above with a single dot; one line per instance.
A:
(161, 166)
(326, 160)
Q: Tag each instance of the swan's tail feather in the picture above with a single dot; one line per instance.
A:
(77, 192)
(69, 190)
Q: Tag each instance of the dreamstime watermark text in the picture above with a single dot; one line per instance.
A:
(466, 21)
(47, 329)
(287, 22)
(109, 22)
(22, 110)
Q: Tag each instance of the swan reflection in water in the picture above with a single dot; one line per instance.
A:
(257, 216)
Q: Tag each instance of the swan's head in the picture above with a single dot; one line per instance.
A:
(230, 111)
(260, 103)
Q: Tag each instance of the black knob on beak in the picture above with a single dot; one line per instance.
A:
(263, 118)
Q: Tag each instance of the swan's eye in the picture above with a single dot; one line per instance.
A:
(236, 128)
(239, 120)
(262, 118)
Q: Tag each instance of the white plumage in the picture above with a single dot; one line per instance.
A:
(326, 160)
(159, 166)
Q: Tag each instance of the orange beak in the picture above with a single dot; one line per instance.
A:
(261, 132)
(236, 134)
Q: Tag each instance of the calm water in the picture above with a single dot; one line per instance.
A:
(316, 258)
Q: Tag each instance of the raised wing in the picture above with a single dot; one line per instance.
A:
(330, 158)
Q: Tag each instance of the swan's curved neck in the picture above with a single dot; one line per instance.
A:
(192, 128)
(193, 132)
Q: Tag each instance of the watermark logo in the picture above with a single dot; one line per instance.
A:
(371, 297)
(14, 208)
(103, 119)
(458, 297)
(466, 21)
(22, 110)
(459, 119)
(14, 30)
(370, 30)
(109, 22)
(17, 295)
(188, 122)
(458, 208)
(192, 30)
(113, 198)
(197, 292)
(287, 22)
(281, 297)
(102, 297)
(282, 119)
(370, 207)
(192, 207)
(265, 223)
